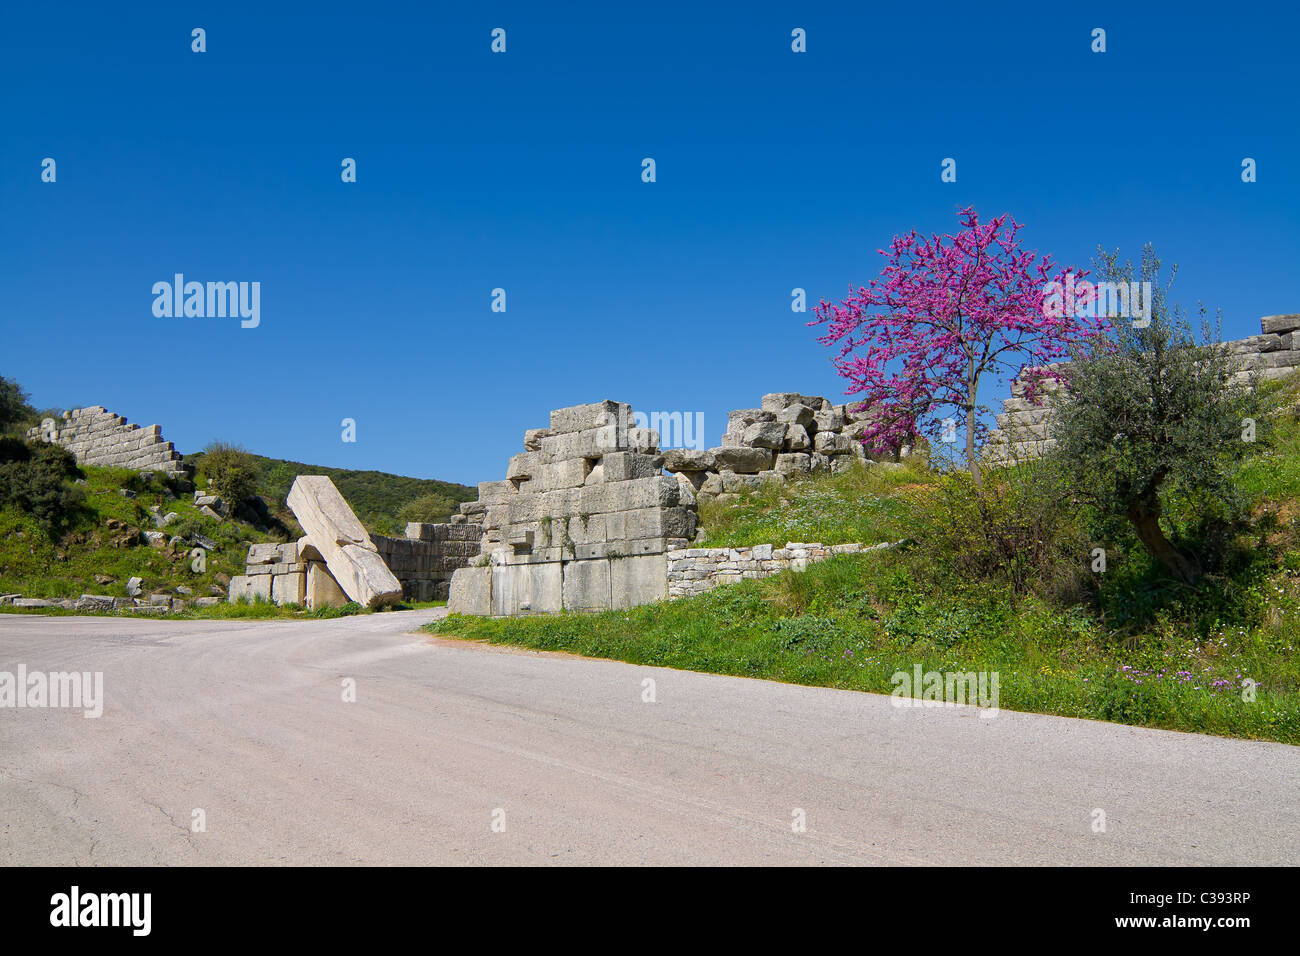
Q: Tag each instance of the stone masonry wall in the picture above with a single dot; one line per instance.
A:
(98, 437)
(694, 570)
(426, 558)
(581, 521)
(1024, 426)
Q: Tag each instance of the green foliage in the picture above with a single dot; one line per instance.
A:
(1010, 530)
(345, 610)
(377, 497)
(13, 404)
(34, 478)
(435, 508)
(866, 505)
(104, 539)
(230, 471)
(1151, 412)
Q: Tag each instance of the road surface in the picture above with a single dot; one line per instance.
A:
(457, 753)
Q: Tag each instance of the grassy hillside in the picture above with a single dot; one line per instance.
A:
(107, 540)
(377, 497)
(1000, 583)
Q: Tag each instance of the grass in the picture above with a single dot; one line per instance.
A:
(866, 505)
(854, 621)
(35, 564)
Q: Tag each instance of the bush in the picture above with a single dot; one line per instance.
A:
(34, 479)
(13, 404)
(1013, 529)
(231, 470)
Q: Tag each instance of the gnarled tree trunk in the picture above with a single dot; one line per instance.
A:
(1144, 514)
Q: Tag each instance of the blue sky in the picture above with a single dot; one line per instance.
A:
(522, 171)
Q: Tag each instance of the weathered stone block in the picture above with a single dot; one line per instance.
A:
(527, 588)
(590, 443)
(793, 463)
(743, 460)
(831, 443)
(797, 415)
(688, 460)
(523, 466)
(321, 590)
(636, 580)
(1271, 324)
(629, 465)
(659, 523)
(471, 591)
(289, 588)
(766, 435)
(586, 585)
(248, 589)
(578, 418)
(829, 420)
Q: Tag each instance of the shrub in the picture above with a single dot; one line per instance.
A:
(34, 479)
(231, 470)
(1012, 530)
(13, 404)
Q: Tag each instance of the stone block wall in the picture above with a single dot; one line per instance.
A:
(98, 437)
(791, 434)
(1024, 425)
(272, 572)
(425, 559)
(582, 519)
(695, 570)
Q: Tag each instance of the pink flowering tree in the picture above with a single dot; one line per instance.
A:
(946, 312)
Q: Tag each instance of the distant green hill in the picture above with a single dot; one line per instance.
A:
(383, 502)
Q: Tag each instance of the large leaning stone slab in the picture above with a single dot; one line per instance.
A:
(342, 541)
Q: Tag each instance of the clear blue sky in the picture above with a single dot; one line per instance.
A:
(522, 171)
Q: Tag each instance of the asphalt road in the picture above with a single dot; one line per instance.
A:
(246, 722)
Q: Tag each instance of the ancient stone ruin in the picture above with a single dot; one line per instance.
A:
(581, 521)
(791, 434)
(96, 436)
(587, 520)
(1024, 426)
(339, 561)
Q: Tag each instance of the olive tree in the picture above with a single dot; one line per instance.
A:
(1151, 409)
